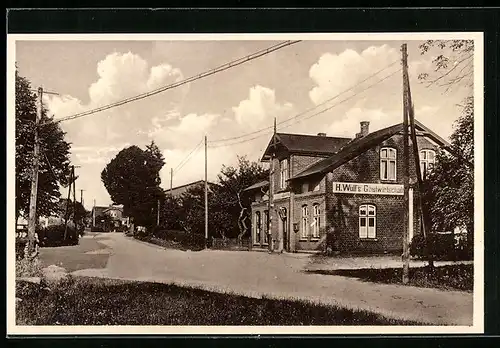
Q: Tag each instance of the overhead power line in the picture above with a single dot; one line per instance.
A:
(310, 109)
(213, 71)
(187, 158)
(305, 118)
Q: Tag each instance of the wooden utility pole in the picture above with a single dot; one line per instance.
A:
(171, 179)
(67, 202)
(271, 192)
(81, 197)
(74, 196)
(30, 246)
(423, 218)
(206, 195)
(406, 166)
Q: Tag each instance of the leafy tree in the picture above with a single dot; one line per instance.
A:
(54, 157)
(170, 211)
(229, 208)
(230, 205)
(453, 63)
(449, 187)
(74, 209)
(132, 179)
(191, 211)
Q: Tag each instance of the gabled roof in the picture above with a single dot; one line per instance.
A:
(258, 185)
(306, 144)
(114, 207)
(359, 145)
(179, 190)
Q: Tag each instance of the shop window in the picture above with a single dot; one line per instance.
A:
(316, 221)
(304, 226)
(258, 224)
(427, 161)
(367, 221)
(387, 163)
(284, 173)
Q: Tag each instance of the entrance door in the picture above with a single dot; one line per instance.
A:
(284, 228)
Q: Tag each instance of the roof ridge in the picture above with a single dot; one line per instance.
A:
(312, 135)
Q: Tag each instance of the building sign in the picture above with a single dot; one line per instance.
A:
(368, 189)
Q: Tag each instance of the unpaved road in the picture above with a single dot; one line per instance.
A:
(274, 275)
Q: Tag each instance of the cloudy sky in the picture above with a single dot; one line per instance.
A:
(232, 103)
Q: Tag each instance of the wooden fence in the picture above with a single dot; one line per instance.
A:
(230, 244)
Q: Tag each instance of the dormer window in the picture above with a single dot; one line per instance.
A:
(283, 173)
(387, 163)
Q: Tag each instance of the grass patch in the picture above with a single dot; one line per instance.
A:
(93, 301)
(28, 268)
(451, 277)
(73, 258)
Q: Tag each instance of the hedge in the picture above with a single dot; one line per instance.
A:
(441, 247)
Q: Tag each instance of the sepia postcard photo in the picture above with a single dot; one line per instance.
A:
(245, 183)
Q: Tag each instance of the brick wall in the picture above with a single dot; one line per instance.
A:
(339, 212)
(342, 209)
(310, 199)
(296, 164)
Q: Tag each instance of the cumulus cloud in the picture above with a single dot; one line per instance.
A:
(119, 76)
(349, 125)
(334, 73)
(260, 108)
(97, 138)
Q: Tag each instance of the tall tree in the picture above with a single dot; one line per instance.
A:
(449, 187)
(453, 62)
(229, 207)
(132, 179)
(232, 206)
(54, 154)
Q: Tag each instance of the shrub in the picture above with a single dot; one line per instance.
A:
(54, 236)
(180, 239)
(441, 247)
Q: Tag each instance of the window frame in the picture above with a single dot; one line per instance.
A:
(316, 224)
(425, 161)
(368, 208)
(388, 160)
(283, 173)
(304, 227)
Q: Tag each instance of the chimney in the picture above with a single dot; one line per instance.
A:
(365, 128)
(321, 134)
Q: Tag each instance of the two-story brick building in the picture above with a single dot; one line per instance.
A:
(341, 193)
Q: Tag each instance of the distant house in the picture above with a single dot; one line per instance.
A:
(115, 214)
(179, 190)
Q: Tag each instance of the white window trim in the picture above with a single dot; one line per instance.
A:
(283, 173)
(316, 218)
(426, 160)
(304, 227)
(366, 208)
(389, 159)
